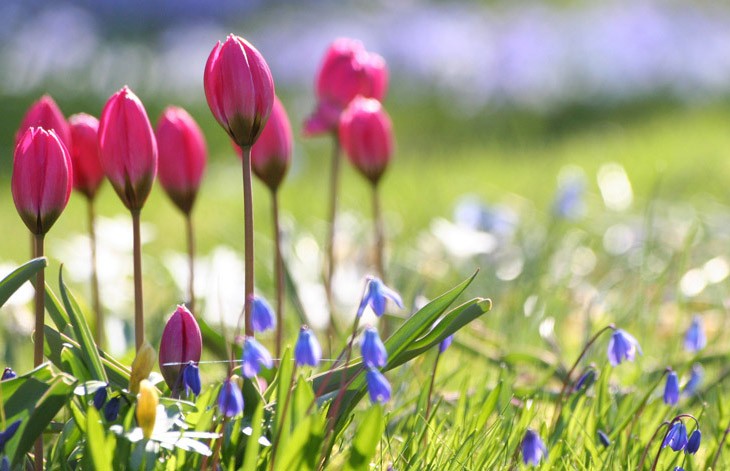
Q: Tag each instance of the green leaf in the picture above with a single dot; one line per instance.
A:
(488, 407)
(286, 366)
(250, 457)
(11, 283)
(366, 439)
(303, 446)
(98, 451)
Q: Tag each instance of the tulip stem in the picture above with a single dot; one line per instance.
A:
(248, 239)
(138, 306)
(278, 272)
(330, 242)
(191, 260)
(40, 308)
(379, 248)
(91, 213)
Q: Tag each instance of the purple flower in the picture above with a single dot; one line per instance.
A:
(376, 295)
(693, 444)
(191, 378)
(694, 380)
(694, 339)
(262, 316)
(100, 398)
(307, 350)
(671, 389)
(111, 409)
(373, 351)
(378, 386)
(230, 399)
(8, 373)
(622, 346)
(533, 448)
(603, 438)
(676, 437)
(585, 380)
(568, 202)
(254, 357)
(446, 343)
(7, 434)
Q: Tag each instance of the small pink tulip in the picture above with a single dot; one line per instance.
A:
(348, 70)
(183, 156)
(181, 342)
(366, 134)
(42, 179)
(84, 151)
(239, 89)
(45, 114)
(128, 148)
(271, 155)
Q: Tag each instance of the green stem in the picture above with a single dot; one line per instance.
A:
(719, 447)
(248, 239)
(330, 242)
(96, 303)
(190, 233)
(138, 296)
(278, 272)
(648, 445)
(40, 309)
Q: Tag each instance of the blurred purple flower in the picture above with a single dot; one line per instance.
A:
(376, 295)
(622, 346)
(694, 339)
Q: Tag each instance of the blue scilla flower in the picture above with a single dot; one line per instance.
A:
(603, 438)
(568, 202)
(100, 398)
(7, 434)
(191, 378)
(376, 295)
(378, 386)
(585, 380)
(622, 346)
(694, 339)
(533, 448)
(695, 379)
(693, 444)
(230, 399)
(671, 389)
(676, 437)
(307, 351)
(5, 464)
(254, 357)
(446, 343)
(111, 409)
(262, 315)
(8, 373)
(373, 351)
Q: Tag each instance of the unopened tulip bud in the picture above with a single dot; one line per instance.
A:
(181, 343)
(366, 134)
(84, 151)
(45, 114)
(182, 156)
(128, 148)
(146, 413)
(42, 179)
(239, 89)
(271, 154)
(141, 366)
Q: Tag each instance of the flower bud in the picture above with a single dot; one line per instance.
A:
(42, 179)
(141, 366)
(111, 409)
(366, 134)
(181, 343)
(146, 413)
(84, 151)
(239, 89)
(374, 354)
(128, 148)
(182, 156)
(262, 315)
(8, 373)
(191, 378)
(45, 114)
(271, 155)
(307, 351)
(230, 399)
(378, 386)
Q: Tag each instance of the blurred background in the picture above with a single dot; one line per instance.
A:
(494, 99)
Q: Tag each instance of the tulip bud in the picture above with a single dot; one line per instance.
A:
(271, 154)
(84, 151)
(239, 89)
(146, 413)
(181, 343)
(141, 366)
(183, 156)
(366, 134)
(42, 179)
(45, 114)
(347, 70)
(128, 148)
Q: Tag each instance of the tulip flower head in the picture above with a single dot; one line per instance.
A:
(8, 373)
(230, 399)
(622, 346)
(676, 438)
(239, 89)
(694, 339)
(84, 151)
(378, 386)
(128, 148)
(191, 379)
(181, 343)
(146, 413)
(262, 315)
(271, 155)
(254, 357)
(376, 295)
(142, 366)
(182, 156)
(45, 114)
(374, 354)
(671, 389)
(307, 350)
(533, 448)
(42, 179)
(366, 134)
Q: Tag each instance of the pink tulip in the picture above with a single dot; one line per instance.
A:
(271, 155)
(181, 342)
(128, 148)
(84, 151)
(183, 156)
(42, 179)
(348, 70)
(239, 89)
(45, 114)
(366, 134)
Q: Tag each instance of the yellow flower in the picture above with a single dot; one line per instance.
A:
(146, 413)
(142, 366)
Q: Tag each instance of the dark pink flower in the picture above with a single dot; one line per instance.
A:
(45, 114)
(181, 343)
(366, 134)
(84, 151)
(271, 155)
